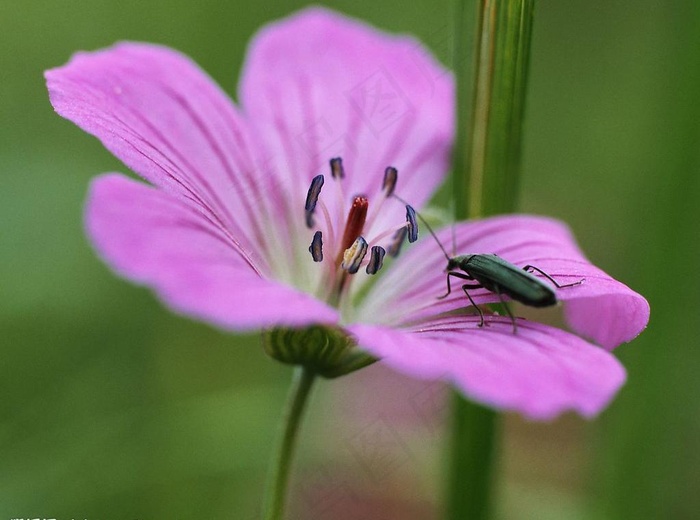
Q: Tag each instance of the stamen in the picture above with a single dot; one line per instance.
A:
(330, 234)
(316, 247)
(353, 256)
(391, 175)
(337, 170)
(376, 259)
(312, 199)
(390, 231)
(412, 224)
(356, 221)
(399, 237)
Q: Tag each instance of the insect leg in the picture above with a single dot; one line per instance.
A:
(456, 275)
(481, 314)
(530, 268)
(507, 309)
(463, 276)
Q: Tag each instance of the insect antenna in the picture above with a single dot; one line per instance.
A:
(425, 223)
(454, 233)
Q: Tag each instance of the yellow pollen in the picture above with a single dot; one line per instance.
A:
(349, 254)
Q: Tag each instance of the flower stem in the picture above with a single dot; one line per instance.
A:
(276, 492)
(491, 80)
(492, 47)
(474, 430)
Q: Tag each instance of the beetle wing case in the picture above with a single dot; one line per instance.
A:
(498, 275)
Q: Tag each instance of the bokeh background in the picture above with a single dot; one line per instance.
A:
(112, 407)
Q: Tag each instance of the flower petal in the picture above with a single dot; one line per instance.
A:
(319, 85)
(160, 241)
(609, 321)
(540, 372)
(601, 308)
(167, 120)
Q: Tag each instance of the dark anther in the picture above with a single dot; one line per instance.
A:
(376, 259)
(313, 193)
(412, 224)
(391, 175)
(337, 171)
(354, 255)
(316, 247)
(312, 199)
(398, 239)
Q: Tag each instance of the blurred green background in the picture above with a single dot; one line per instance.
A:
(112, 407)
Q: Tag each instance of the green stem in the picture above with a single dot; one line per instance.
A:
(490, 103)
(279, 475)
(473, 446)
(492, 47)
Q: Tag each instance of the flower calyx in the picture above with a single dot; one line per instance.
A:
(326, 350)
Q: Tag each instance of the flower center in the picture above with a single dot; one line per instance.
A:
(342, 255)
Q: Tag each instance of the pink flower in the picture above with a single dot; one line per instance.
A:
(221, 233)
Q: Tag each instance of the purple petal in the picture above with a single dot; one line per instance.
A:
(168, 121)
(540, 372)
(601, 308)
(320, 85)
(153, 238)
(608, 321)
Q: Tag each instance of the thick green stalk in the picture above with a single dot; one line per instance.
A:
(276, 493)
(491, 69)
(490, 103)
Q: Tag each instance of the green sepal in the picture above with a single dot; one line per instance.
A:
(327, 351)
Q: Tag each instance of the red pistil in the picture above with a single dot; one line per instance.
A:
(355, 223)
